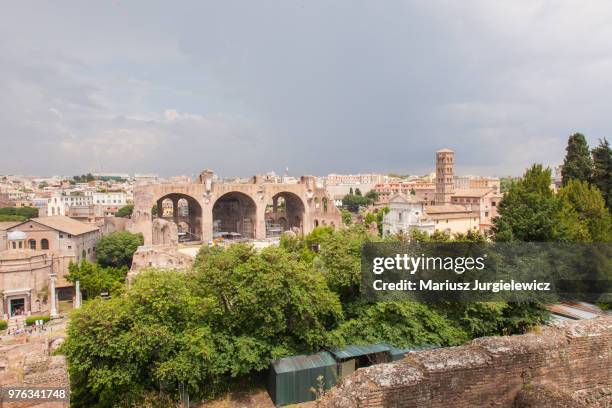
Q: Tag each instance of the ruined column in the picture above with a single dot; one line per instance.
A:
(77, 296)
(175, 214)
(53, 312)
(259, 222)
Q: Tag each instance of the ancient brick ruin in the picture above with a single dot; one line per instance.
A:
(30, 362)
(245, 208)
(569, 365)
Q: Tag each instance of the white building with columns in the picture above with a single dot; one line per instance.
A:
(405, 214)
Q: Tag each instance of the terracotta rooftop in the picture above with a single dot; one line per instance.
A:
(473, 192)
(4, 225)
(447, 208)
(65, 224)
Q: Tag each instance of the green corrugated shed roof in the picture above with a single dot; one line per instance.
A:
(302, 362)
(357, 351)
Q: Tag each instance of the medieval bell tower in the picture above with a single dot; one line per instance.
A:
(445, 183)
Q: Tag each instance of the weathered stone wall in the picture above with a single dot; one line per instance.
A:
(574, 358)
(160, 257)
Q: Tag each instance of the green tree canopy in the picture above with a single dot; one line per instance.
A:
(7, 218)
(339, 260)
(372, 196)
(602, 170)
(83, 178)
(95, 279)
(25, 213)
(125, 211)
(347, 218)
(151, 338)
(586, 204)
(403, 324)
(117, 249)
(577, 164)
(352, 202)
(529, 211)
(282, 304)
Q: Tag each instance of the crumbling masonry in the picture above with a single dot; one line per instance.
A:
(565, 366)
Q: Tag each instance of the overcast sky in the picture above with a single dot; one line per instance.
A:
(316, 86)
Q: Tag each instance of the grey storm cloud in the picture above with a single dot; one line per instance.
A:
(317, 86)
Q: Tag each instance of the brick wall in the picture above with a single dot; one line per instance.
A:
(575, 358)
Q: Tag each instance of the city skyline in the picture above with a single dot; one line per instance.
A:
(376, 88)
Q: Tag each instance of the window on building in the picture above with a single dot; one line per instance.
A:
(14, 245)
(32, 244)
(83, 254)
(61, 235)
(69, 236)
(69, 246)
(44, 243)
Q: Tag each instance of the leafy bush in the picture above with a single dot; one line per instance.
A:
(402, 324)
(7, 218)
(96, 279)
(30, 320)
(125, 211)
(25, 212)
(117, 249)
(3, 324)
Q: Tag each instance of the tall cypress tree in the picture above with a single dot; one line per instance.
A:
(577, 164)
(602, 170)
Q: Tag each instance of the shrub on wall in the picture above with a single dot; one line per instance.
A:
(30, 320)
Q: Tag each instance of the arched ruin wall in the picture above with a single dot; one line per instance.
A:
(145, 196)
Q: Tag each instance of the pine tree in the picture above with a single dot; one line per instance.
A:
(577, 164)
(602, 170)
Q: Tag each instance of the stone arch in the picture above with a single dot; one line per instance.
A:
(169, 208)
(325, 204)
(165, 208)
(234, 215)
(285, 212)
(183, 208)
